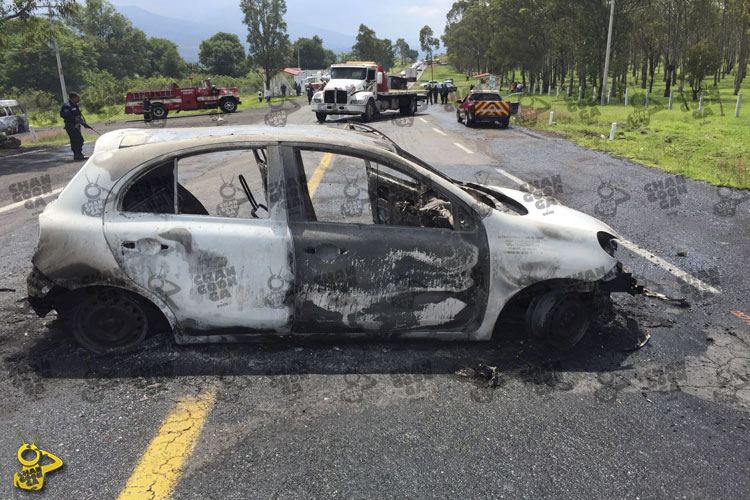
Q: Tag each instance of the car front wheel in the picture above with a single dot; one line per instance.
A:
(558, 318)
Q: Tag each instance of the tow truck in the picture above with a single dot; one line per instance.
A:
(176, 99)
(363, 88)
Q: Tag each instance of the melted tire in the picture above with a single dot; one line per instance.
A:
(557, 318)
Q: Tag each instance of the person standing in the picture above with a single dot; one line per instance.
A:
(147, 110)
(283, 90)
(268, 95)
(309, 94)
(260, 96)
(71, 115)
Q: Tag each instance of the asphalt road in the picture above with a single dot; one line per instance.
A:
(401, 419)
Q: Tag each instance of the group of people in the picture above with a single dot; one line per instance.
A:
(296, 87)
(435, 89)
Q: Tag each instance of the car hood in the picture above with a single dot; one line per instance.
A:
(551, 211)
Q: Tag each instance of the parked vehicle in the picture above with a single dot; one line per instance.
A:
(485, 106)
(176, 99)
(13, 119)
(362, 88)
(143, 239)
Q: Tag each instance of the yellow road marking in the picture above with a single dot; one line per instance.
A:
(318, 174)
(160, 467)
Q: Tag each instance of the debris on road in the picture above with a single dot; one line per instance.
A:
(9, 142)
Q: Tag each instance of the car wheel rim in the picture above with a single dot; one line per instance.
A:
(113, 321)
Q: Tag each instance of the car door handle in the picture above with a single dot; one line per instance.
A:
(325, 251)
(149, 247)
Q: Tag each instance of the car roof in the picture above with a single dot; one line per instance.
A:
(126, 138)
(8, 102)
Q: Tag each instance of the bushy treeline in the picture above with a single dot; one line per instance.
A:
(559, 42)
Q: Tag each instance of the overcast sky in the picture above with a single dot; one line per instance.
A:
(389, 18)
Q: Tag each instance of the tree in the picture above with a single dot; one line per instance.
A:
(402, 49)
(428, 43)
(701, 59)
(311, 54)
(164, 58)
(366, 47)
(267, 37)
(223, 54)
(23, 9)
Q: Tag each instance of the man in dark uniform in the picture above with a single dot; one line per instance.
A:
(71, 114)
(310, 93)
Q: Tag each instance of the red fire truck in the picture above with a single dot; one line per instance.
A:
(183, 99)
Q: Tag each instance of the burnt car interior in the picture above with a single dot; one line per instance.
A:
(155, 191)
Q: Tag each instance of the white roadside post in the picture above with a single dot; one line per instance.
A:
(609, 95)
(671, 98)
(700, 105)
(557, 93)
(33, 134)
(626, 96)
(593, 94)
(737, 109)
(549, 90)
(647, 94)
(580, 92)
(551, 117)
(612, 132)
(567, 94)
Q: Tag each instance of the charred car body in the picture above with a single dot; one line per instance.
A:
(382, 244)
(13, 119)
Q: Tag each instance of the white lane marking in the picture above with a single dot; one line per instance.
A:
(422, 120)
(19, 154)
(20, 203)
(670, 268)
(467, 150)
(512, 177)
(439, 131)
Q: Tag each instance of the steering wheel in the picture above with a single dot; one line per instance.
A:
(251, 198)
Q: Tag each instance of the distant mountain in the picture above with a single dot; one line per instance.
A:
(188, 35)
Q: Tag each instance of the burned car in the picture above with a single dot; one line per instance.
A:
(222, 234)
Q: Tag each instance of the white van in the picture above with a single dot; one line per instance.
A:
(12, 117)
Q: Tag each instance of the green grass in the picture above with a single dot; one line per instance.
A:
(710, 146)
(116, 113)
(59, 139)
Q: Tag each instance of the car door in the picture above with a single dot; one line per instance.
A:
(368, 259)
(185, 231)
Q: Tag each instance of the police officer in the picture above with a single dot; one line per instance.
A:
(71, 115)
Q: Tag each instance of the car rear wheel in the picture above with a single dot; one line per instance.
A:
(468, 120)
(558, 318)
(107, 321)
(159, 111)
(504, 122)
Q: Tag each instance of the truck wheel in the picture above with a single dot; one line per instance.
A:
(321, 116)
(159, 111)
(504, 122)
(369, 111)
(412, 106)
(228, 105)
(558, 318)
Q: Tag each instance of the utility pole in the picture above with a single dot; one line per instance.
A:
(606, 58)
(57, 54)
(298, 63)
